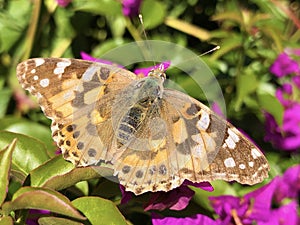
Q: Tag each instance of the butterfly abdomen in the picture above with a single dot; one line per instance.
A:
(130, 123)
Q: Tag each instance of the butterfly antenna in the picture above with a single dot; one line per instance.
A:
(146, 38)
(214, 49)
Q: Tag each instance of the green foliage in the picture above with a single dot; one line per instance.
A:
(250, 33)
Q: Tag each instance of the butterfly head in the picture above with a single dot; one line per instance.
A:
(158, 72)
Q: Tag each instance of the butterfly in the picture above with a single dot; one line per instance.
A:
(153, 137)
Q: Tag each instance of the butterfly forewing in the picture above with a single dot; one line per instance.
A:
(151, 147)
(69, 92)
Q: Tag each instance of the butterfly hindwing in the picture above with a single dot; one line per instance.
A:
(194, 144)
(218, 150)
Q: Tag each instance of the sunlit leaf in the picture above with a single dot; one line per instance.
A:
(227, 45)
(6, 220)
(99, 7)
(271, 104)
(41, 198)
(57, 221)
(99, 211)
(54, 167)
(188, 28)
(246, 84)
(5, 164)
(29, 153)
(153, 13)
(27, 127)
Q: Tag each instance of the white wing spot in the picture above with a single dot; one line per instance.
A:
(204, 121)
(229, 162)
(60, 66)
(33, 71)
(255, 153)
(58, 70)
(44, 82)
(233, 135)
(64, 63)
(231, 140)
(35, 77)
(39, 62)
(242, 166)
(251, 164)
(230, 143)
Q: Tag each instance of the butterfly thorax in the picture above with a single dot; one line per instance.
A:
(147, 92)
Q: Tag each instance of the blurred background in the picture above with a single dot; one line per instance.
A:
(257, 66)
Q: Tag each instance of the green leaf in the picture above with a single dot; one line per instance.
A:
(227, 45)
(5, 164)
(41, 198)
(28, 154)
(117, 26)
(54, 167)
(99, 211)
(6, 220)
(99, 7)
(57, 221)
(229, 16)
(246, 84)
(27, 127)
(4, 100)
(13, 22)
(271, 104)
(153, 13)
(74, 176)
(59, 174)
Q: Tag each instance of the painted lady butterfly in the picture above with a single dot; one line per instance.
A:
(153, 137)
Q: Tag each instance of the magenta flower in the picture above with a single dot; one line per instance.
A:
(196, 219)
(254, 208)
(131, 8)
(296, 81)
(284, 93)
(176, 199)
(63, 3)
(34, 215)
(286, 214)
(284, 65)
(126, 195)
(286, 137)
(289, 184)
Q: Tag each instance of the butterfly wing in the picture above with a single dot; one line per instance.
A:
(77, 96)
(225, 152)
(186, 140)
